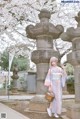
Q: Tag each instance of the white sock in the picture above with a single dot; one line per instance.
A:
(56, 115)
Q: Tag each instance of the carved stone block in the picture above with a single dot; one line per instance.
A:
(76, 43)
(38, 103)
(43, 56)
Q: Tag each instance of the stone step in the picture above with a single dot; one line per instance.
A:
(64, 111)
(65, 117)
(40, 112)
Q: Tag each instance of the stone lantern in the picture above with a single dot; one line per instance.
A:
(44, 33)
(15, 77)
(73, 35)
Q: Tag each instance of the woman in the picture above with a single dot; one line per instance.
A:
(55, 80)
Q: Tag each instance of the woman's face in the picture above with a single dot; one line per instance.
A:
(54, 63)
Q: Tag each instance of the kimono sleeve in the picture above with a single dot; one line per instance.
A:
(64, 77)
(47, 79)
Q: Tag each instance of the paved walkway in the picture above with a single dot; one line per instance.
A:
(17, 97)
(8, 113)
(28, 97)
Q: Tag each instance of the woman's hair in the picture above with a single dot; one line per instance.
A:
(53, 59)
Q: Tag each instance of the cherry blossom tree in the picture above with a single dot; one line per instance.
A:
(15, 15)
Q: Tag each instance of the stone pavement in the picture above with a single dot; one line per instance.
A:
(28, 97)
(12, 114)
(16, 97)
(8, 113)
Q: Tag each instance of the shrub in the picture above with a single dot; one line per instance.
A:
(70, 84)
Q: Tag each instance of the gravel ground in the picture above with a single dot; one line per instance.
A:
(21, 107)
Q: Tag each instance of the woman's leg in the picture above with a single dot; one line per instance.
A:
(56, 105)
(49, 111)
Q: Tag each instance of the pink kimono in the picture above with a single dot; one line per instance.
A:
(55, 80)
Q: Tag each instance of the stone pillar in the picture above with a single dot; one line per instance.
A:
(73, 35)
(44, 33)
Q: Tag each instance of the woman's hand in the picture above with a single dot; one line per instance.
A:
(50, 89)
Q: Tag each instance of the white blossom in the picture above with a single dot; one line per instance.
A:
(15, 15)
